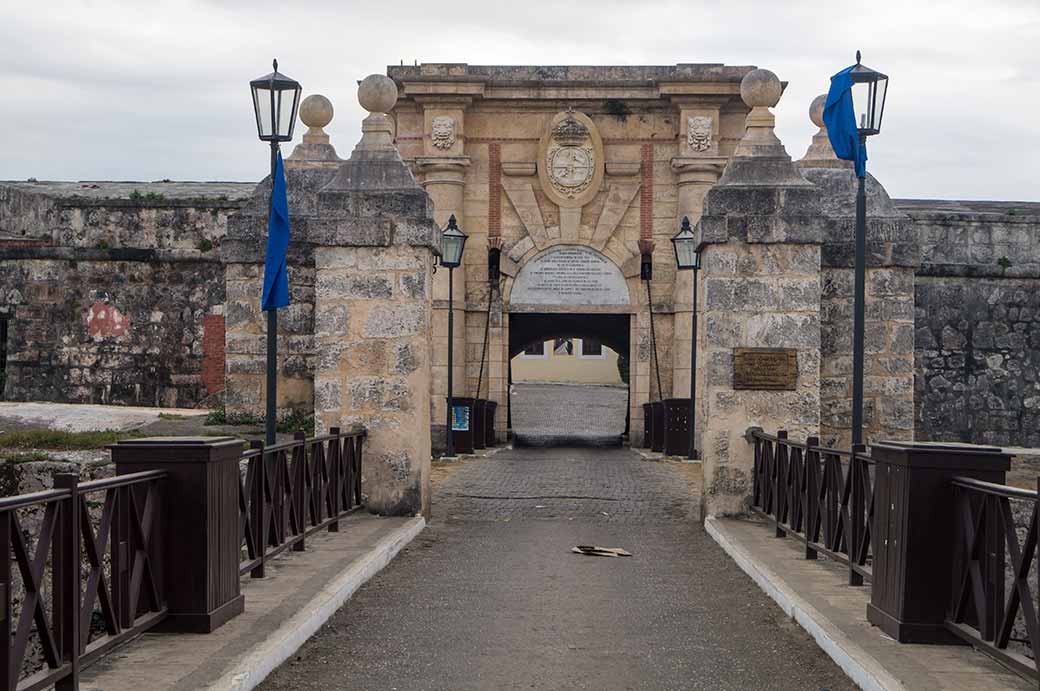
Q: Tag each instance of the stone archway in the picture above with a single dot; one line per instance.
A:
(569, 292)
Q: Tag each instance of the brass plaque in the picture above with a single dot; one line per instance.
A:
(769, 369)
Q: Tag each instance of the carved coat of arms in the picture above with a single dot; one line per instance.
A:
(570, 158)
(442, 132)
(698, 132)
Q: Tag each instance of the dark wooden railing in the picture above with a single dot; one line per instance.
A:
(819, 495)
(105, 580)
(990, 559)
(293, 489)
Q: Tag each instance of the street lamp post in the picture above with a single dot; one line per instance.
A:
(868, 101)
(453, 241)
(688, 257)
(276, 99)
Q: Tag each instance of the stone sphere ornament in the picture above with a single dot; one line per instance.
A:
(377, 93)
(816, 110)
(316, 111)
(760, 89)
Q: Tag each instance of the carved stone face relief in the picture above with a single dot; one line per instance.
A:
(698, 132)
(442, 131)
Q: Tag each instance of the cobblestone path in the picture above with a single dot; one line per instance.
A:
(490, 596)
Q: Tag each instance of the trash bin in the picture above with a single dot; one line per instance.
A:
(489, 422)
(648, 418)
(479, 430)
(462, 424)
(657, 432)
(912, 533)
(677, 428)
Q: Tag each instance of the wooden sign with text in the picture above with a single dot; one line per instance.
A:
(768, 369)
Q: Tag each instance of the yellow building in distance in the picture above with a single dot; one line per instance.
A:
(572, 360)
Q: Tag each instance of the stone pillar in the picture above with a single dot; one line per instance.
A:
(373, 282)
(443, 170)
(892, 260)
(760, 233)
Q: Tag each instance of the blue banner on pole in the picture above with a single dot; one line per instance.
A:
(276, 278)
(840, 118)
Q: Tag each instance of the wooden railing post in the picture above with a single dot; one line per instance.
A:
(299, 489)
(335, 459)
(779, 454)
(809, 494)
(857, 507)
(65, 576)
(200, 531)
(258, 507)
(911, 530)
(8, 669)
(359, 448)
(995, 562)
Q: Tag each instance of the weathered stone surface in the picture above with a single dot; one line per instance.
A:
(977, 347)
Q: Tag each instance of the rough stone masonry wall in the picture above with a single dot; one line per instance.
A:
(892, 256)
(113, 292)
(243, 255)
(977, 336)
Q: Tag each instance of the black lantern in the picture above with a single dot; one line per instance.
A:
(688, 256)
(868, 97)
(646, 266)
(494, 264)
(685, 244)
(276, 99)
(453, 241)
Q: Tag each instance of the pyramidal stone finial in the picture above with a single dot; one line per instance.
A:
(820, 153)
(315, 152)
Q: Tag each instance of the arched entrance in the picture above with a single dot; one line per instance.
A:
(570, 341)
(568, 378)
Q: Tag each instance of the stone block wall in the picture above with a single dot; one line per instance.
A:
(977, 324)
(372, 338)
(112, 291)
(892, 256)
(888, 372)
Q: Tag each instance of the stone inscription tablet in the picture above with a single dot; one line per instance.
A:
(769, 369)
(570, 275)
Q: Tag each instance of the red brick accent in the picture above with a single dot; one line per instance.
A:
(24, 242)
(646, 193)
(213, 352)
(494, 190)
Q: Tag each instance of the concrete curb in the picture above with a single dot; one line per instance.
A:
(294, 632)
(860, 666)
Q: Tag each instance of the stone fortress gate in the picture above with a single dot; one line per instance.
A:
(573, 172)
(577, 175)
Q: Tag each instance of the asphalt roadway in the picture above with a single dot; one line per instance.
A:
(491, 597)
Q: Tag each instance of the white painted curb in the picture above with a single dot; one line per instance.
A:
(858, 664)
(295, 631)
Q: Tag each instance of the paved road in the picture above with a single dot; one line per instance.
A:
(490, 597)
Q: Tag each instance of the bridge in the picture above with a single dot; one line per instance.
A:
(356, 557)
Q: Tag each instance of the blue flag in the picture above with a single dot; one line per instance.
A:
(840, 118)
(276, 280)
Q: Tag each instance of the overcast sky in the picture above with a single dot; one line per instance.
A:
(145, 90)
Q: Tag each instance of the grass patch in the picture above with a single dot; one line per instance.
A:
(172, 416)
(152, 197)
(64, 441)
(296, 421)
(25, 457)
